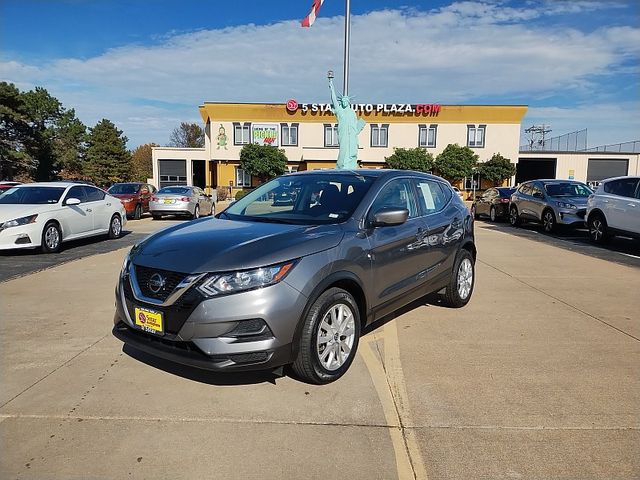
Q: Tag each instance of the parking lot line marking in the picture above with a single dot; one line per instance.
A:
(379, 378)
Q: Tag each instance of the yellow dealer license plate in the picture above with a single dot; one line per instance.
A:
(168, 200)
(149, 321)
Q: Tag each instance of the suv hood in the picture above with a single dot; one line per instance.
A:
(214, 245)
(575, 200)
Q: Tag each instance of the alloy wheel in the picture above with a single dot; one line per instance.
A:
(492, 214)
(465, 278)
(548, 221)
(116, 227)
(52, 237)
(513, 217)
(335, 336)
(597, 229)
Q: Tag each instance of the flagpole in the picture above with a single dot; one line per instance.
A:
(347, 28)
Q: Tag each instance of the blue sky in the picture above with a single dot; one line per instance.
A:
(148, 64)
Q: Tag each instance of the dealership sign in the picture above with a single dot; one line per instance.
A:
(418, 109)
(265, 134)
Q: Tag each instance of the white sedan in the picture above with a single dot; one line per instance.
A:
(47, 214)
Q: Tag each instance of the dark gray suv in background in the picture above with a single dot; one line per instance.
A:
(269, 282)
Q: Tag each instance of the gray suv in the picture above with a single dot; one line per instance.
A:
(549, 202)
(269, 282)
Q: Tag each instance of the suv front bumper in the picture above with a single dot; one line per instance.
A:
(201, 332)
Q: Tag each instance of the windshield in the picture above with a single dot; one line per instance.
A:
(174, 191)
(124, 189)
(302, 200)
(567, 190)
(31, 195)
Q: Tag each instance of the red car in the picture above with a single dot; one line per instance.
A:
(4, 186)
(134, 196)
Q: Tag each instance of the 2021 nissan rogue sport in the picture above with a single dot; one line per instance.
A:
(268, 283)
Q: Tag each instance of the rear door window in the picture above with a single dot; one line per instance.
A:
(433, 195)
(624, 187)
(93, 194)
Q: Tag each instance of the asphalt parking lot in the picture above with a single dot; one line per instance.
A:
(538, 377)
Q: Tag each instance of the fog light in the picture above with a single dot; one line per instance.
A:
(250, 330)
(22, 239)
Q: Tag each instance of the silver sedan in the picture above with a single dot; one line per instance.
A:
(181, 200)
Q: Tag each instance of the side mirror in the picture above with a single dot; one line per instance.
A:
(388, 217)
(72, 201)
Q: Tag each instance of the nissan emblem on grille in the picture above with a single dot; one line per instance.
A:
(156, 283)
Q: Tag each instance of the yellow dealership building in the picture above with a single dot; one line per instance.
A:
(308, 135)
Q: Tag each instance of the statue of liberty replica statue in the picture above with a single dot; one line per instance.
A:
(349, 126)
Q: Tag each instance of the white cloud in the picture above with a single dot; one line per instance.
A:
(458, 54)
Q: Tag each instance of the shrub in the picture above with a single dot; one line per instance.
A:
(241, 194)
(223, 193)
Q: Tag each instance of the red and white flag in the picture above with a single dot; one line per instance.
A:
(315, 8)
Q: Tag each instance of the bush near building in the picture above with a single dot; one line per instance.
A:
(456, 162)
(263, 161)
(410, 159)
(497, 169)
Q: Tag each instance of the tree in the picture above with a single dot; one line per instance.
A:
(410, 159)
(107, 160)
(187, 135)
(69, 146)
(16, 162)
(497, 169)
(43, 112)
(263, 161)
(142, 162)
(456, 162)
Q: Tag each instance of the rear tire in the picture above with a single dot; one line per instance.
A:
(514, 218)
(335, 318)
(458, 293)
(492, 214)
(51, 238)
(474, 214)
(598, 229)
(196, 213)
(115, 227)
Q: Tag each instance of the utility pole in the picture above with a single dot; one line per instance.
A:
(537, 135)
(347, 31)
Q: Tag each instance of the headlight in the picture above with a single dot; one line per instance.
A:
(125, 264)
(18, 221)
(247, 280)
(566, 205)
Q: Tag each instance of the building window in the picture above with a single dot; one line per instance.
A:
(427, 135)
(241, 133)
(379, 135)
(330, 135)
(475, 136)
(243, 179)
(289, 135)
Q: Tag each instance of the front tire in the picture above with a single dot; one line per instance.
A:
(51, 238)
(329, 340)
(137, 212)
(460, 288)
(598, 229)
(549, 223)
(115, 227)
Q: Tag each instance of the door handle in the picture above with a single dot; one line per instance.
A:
(631, 204)
(109, 204)
(88, 210)
(605, 201)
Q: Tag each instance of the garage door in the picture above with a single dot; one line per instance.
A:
(172, 172)
(600, 168)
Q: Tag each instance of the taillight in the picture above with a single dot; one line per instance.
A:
(154, 199)
(185, 199)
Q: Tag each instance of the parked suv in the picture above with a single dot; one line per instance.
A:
(267, 284)
(614, 209)
(550, 202)
(134, 196)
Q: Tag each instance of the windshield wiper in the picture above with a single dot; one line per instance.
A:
(270, 220)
